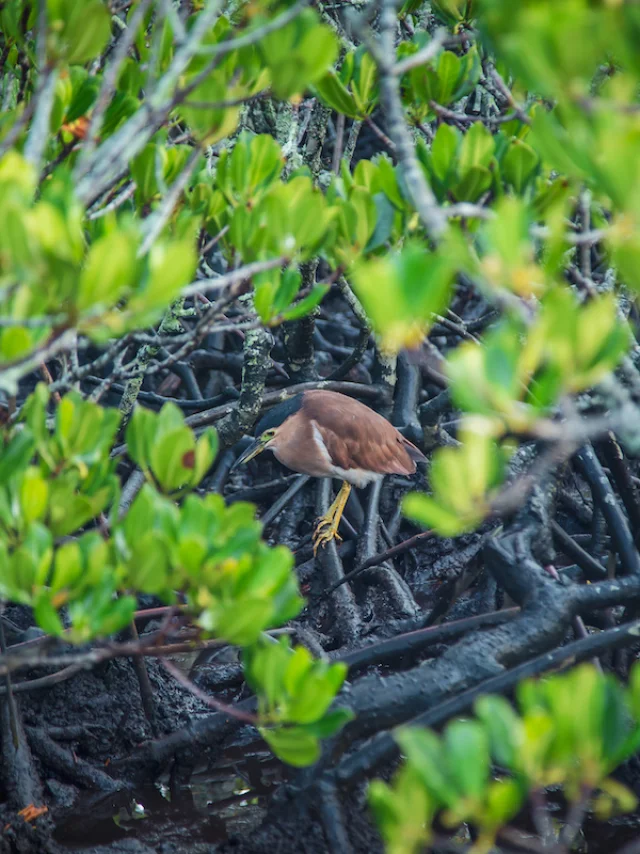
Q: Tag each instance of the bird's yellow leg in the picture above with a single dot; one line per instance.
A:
(327, 527)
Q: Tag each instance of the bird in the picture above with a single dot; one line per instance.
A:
(327, 434)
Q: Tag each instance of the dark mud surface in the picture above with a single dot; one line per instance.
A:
(97, 719)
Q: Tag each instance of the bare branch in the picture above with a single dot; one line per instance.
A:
(241, 274)
(423, 56)
(432, 216)
(110, 79)
(156, 221)
(39, 131)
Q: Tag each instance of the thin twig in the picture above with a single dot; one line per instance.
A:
(210, 701)
(233, 277)
(39, 132)
(115, 203)
(337, 146)
(382, 557)
(426, 54)
(155, 222)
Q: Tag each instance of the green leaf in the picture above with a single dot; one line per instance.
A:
(476, 181)
(449, 66)
(68, 567)
(443, 151)
(61, 100)
(476, 150)
(299, 665)
(503, 801)
(243, 621)
(503, 727)
(139, 436)
(429, 514)
(316, 694)
(452, 11)
(335, 95)
(116, 616)
(68, 511)
(206, 450)
(293, 745)
(86, 29)
(172, 458)
(389, 183)
(330, 724)
(401, 293)
(287, 289)
(467, 754)
(263, 297)
(299, 53)
(306, 304)
(168, 420)
(211, 123)
(404, 812)
(85, 92)
(34, 494)
(266, 161)
(254, 164)
(46, 615)
(16, 454)
(365, 81)
(144, 171)
(365, 210)
(425, 754)
(109, 270)
(14, 343)
(518, 164)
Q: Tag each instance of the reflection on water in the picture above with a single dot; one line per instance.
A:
(226, 799)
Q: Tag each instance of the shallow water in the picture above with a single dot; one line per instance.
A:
(228, 798)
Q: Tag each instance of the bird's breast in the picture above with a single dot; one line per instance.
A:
(357, 477)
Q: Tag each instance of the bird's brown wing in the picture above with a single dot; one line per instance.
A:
(356, 437)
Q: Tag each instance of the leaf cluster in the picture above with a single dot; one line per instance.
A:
(66, 551)
(481, 770)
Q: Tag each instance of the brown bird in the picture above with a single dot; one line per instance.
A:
(326, 434)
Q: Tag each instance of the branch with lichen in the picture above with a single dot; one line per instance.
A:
(257, 359)
(170, 325)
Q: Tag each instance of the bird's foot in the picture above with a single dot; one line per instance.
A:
(327, 527)
(326, 530)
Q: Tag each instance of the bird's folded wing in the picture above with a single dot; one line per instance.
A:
(377, 448)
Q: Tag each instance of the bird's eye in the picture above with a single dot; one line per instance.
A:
(268, 434)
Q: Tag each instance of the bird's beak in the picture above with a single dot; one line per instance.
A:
(252, 451)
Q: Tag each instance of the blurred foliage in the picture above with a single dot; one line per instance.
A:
(295, 693)
(58, 477)
(481, 770)
(353, 90)
(166, 449)
(439, 83)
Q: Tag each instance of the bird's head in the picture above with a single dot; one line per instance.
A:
(263, 441)
(268, 428)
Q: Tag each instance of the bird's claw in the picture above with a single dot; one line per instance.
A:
(326, 530)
